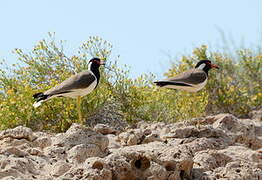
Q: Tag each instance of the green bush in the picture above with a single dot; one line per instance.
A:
(235, 88)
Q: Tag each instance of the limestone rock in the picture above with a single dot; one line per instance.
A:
(207, 160)
(81, 152)
(235, 170)
(60, 168)
(78, 134)
(43, 142)
(131, 137)
(256, 115)
(243, 132)
(13, 151)
(104, 129)
(222, 147)
(113, 143)
(19, 132)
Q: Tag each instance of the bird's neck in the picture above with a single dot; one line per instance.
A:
(206, 71)
(204, 68)
(95, 71)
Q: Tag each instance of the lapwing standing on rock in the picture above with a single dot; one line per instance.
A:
(192, 80)
(76, 86)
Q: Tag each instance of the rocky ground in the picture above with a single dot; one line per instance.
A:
(219, 147)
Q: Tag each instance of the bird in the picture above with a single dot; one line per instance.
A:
(192, 80)
(75, 86)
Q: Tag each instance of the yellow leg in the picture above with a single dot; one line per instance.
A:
(78, 104)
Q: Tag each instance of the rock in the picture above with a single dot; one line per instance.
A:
(142, 125)
(222, 147)
(216, 163)
(131, 137)
(241, 131)
(15, 142)
(57, 153)
(13, 151)
(121, 168)
(19, 132)
(178, 161)
(108, 114)
(60, 168)
(157, 126)
(104, 129)
(81, 152)
(256, 115)
(101, 170)
(113, 144)
(236, 170)
(34, 152)
(241, 153)
(17, 167)
(10, 178)
(208, 160)
(156, 172)
(93, 168)
(154, 136)
(77, 134)
(225, 121)
(192, 131)
(10, 173)
(43, 142)
(214, 118)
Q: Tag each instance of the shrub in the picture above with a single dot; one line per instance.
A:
(235, 88)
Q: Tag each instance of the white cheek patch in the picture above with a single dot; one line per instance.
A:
(201, 66)
(89, 66)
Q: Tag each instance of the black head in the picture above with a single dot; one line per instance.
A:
(96, 62)
(206, 65)
(94, 67)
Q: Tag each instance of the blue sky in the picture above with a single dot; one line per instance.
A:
(143, 32)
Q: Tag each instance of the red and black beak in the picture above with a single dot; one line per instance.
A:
(214, 66)
(102, 62)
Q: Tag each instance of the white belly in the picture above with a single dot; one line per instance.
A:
(81, 92)
(192, 88)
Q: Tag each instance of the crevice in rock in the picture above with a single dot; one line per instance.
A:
(142, 163)
(170, 166)
(98, 165)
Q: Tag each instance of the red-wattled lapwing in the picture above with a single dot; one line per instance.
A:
(192, 80)
(76, 86)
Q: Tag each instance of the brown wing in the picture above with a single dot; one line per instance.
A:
(193, 76)
(78, 81)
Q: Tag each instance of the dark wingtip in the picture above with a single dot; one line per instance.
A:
(165, 83)
(159, 83)
(37, 95)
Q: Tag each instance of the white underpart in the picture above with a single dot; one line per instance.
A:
(202, 66)
(37, 104)
(191, 88)
(81, 92)
(73, 94)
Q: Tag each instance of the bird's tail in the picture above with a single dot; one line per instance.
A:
(174, 83)
(161, 83)
(40, 97)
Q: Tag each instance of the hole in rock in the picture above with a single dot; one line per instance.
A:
(176, 155)
(98, 165)
(143, 163)
(138, 164)
(170, 166)
(182, 174)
